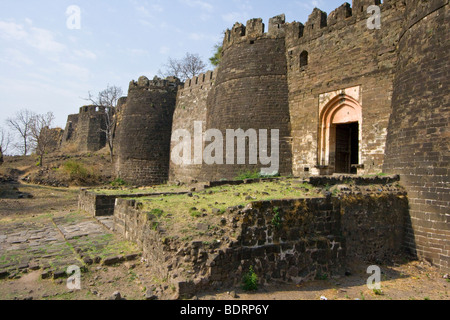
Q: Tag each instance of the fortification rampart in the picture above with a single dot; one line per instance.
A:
(418, 140)
(191, 108)
(336, 55)
(345, 96)
(144, 131)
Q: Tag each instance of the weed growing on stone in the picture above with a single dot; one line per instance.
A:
(250, 280)
(378, 292)
(276, 221)
(249, 175)
(119, 182)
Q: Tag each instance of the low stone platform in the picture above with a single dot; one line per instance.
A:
(288, 240)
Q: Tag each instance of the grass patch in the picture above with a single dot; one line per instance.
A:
(249, 175)
(183, 213)
(160, 189)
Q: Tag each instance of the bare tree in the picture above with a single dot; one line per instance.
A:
(41, 134)
(107, 100)
(5, 140)
(188, 67)
(21, 125)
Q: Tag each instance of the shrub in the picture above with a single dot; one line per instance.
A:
(119, 182)
(76, 171)
(250, 280)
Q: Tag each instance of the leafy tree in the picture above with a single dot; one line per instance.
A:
(215, 60)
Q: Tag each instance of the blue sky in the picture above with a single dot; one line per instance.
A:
(45, 66)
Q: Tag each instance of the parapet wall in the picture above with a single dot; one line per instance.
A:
(312, 238)
(191, 108)
(102, 205)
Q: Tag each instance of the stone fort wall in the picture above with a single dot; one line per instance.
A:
(144, 131)
(342, 53)
(418, 135)
(308, 80)
(191, 107)
(83, 131)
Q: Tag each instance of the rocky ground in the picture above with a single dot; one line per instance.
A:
(42, 233)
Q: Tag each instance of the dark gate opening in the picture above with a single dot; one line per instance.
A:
(347, 147)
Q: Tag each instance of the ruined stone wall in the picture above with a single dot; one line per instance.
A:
(342, 52)
(283, 240)
(418, 139)
(191, 107)
(53, 139)
(83, 132)
(70, 131)
(144, 132)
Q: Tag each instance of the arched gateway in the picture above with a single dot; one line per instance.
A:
(340, 135)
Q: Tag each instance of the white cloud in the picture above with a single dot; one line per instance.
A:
(41, 39)
(203, 5)
(85, 54)
(44, 41)
(74, 71)
(232, 17)
(12, 31)
(15, 58)
(137, 52)
(243, 11)
(202, 37)
(164, 50)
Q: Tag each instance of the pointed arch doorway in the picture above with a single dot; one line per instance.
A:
(340, 135)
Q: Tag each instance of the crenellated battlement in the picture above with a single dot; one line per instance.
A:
(92, 110)
(143, 83)
(203, 80)
(317, 24)
(254, 29)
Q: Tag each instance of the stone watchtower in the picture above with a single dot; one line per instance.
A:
(144, 131)
(251, 92)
